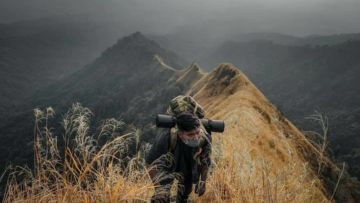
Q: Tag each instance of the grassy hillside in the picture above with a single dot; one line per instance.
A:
(261, 156)
(255, 127)
(300, 80)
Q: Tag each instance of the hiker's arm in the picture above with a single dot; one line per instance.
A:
(205, 161)
(205, 158)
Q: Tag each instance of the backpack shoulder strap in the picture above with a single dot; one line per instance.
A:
(173, 138)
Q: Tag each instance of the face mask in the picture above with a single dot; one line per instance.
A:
(191, 143)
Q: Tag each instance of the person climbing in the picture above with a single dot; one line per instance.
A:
(182, 153)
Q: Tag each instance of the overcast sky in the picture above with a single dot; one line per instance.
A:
(296, 17)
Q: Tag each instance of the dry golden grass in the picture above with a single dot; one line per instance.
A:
(257, 159)
(82, 171)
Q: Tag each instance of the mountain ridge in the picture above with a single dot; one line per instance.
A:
(303, 80)
(257, 134)
(227, 94)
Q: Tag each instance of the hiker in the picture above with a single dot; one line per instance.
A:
(181, 153)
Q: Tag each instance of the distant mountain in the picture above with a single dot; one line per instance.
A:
(193, 45)
(302, 79)
(130, 81)
(274, 37)
(133, 63)
(36, 53)
(311, 40)
(32, 61)
(330, 39)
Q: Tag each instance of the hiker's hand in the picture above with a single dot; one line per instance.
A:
(200, 188)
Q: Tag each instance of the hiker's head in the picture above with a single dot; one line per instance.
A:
(189, 129)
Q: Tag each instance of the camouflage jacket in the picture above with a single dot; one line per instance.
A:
(190, 162)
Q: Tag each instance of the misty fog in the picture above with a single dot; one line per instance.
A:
(226, 17)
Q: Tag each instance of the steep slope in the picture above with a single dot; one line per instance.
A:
(259, 138)
(302, 79)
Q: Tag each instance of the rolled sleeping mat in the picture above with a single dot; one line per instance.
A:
(167, 121)
(214, 125)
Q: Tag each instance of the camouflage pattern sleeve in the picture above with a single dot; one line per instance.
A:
(205, 158)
